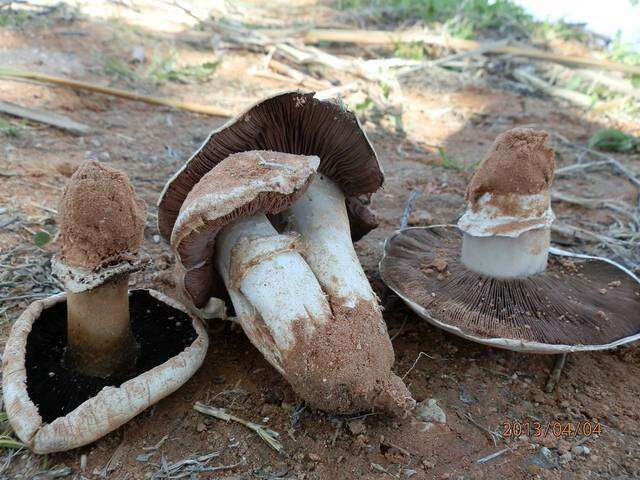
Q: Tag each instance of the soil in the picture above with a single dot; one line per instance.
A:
(160, 332)
(478, 388)
(518, 163)
(347, 363)
(100, 216)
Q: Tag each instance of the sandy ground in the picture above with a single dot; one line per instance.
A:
(483, 392)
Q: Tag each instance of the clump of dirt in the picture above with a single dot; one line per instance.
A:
(100, 216)
(519, 163)
(346, 366)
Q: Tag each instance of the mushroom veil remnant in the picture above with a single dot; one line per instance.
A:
(495, 279)
(80, 364)
(327, 335)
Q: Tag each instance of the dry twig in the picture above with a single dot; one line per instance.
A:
(572, 96)
(554, 377)
(266, 434)
(48, 118)
(116, 92)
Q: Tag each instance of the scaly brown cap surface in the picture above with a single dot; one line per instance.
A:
(518, 163)
(291, 122)
(242, 185)
(100, 217)
(575, 304)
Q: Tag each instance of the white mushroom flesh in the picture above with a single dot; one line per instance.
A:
(320, 216)
(262, 269)
(507, 257)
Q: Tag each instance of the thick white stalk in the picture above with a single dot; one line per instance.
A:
(320, 216)
(507, 257)
(262, 270)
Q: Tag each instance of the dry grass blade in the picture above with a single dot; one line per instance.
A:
(115, 92)
(8, 442)
(268, 435)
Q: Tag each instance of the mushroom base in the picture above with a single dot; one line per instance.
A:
(98, 329)
(506, 257)
(335, 370)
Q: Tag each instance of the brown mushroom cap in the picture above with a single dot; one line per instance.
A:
(518, 163)
(576, 304)
(243, 184)
(101, 219)
(291, 122)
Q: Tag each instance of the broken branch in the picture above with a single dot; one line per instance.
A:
(116, 92)
(381, 37)
(572, 96)
(266, 434)
(48, 118)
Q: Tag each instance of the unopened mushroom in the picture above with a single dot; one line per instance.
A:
(222, 231)
(492, 279)
(80, 364)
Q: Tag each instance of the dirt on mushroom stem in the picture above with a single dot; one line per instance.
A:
(345, 366)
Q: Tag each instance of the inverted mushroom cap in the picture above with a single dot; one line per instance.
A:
(509, 192)
(101, 227)
(52, 408)
(291, 122)
(242, 185)
(578, 303)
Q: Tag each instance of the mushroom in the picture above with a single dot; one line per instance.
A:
(79, 364)
(222, 232)
(495, 279)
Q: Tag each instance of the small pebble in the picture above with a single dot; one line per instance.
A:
(565, 457)
(138, 54)
(580, 450)
(356, 426)
(428, 465)
(430, 411)
(314, 457)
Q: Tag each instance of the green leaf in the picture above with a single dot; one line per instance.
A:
(41, 238)
(613, 140)
(365, 104)
(635, 80)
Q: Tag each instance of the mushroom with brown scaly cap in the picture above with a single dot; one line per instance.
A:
(222, 229)
(80, 364)
(492, 280)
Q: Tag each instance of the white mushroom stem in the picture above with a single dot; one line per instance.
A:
(507, 257)
(262, 270)
(320, 216)
(99, 337)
